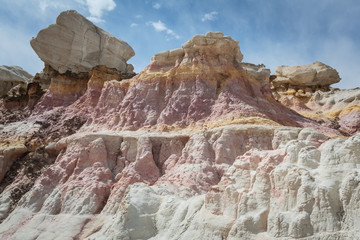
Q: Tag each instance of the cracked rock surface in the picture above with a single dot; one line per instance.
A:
(194, 147)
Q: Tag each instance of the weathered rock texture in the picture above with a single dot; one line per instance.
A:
(10, 76)
(246, 182)
(261, 75)
(75, 44)
(201, 85)
(194, 147)
(338, 109)
(306, 89)
(303, 80)
(259, 72)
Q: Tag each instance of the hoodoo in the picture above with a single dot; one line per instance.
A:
(75, 44)
(199, 145)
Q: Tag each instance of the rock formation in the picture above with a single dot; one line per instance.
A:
(10, 76)
(309, 77)
(18, 94)
(201, 85)
(75, 44)
(306, 89)
(335, 108)
(261, 75)
(193, 147)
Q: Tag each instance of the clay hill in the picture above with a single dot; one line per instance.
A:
(198, 145)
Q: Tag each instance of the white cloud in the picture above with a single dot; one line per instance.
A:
(159, 26)
(134, 25)
(41, 8)
(97, 7)
(138, 16)
(211, 16)
(157, 6)
(44, 5)
(96, 19)
(46, 8)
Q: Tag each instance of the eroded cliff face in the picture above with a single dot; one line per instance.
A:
(194, 147)
(230, 182)
(306, 89)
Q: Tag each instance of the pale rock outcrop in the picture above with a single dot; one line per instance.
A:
(166, 60)
(259, 72)
(305, 89)
(313, 74)
(10, 76)
(191, 148)
(217, 48)
(280, 182)
(75, 44)
(203, 84)
(210, 50)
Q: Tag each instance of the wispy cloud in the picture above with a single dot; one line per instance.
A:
(44, 9)
(159, 26)
(211, 16)
(46, 4)
(306, 35)
(39, 8)
(156, 5)
(97, 7)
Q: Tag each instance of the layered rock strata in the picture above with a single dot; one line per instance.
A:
(231, 182)
(261, 75)
(194, 147)
(336, 108)
(201, 85)
(259, 72)
(306, 89)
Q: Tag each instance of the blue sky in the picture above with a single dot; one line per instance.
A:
(278, 32)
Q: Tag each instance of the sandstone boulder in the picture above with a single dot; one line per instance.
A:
(314, 74)
(11, 76)
(77, 45)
